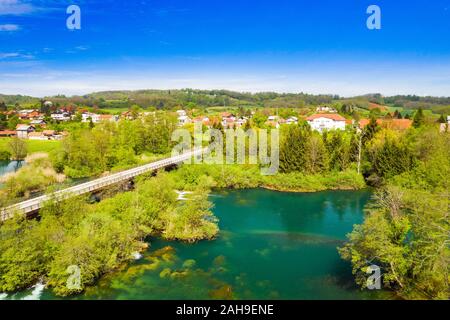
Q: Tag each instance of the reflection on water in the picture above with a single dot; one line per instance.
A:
(283, 246)
(10, 166)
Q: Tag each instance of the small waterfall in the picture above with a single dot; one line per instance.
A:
(182, 195)
(3, 296)
(38, 288)
(137, 255)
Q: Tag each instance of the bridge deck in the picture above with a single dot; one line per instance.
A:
(36, 203)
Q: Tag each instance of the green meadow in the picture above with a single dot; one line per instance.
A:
(33, 145)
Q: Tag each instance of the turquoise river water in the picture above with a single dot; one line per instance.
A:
(272, 245)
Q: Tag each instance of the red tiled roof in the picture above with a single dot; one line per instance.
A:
(397, 124)
(225, 114)
(23, 126)
(7, 133)
(332, 116)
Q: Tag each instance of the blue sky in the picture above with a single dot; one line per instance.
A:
(319, 46)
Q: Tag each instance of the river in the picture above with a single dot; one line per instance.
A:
(10, 166)
(272, 245)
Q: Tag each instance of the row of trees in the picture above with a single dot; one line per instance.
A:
(375, 152)
(309, 152)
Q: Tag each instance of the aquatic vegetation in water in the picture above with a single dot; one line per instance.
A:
(189, 264)
(219, 261)
(224, 292)
(263, 252)
(165, 273)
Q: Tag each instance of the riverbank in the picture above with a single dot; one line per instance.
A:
(249, 176)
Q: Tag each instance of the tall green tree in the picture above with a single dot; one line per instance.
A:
(17, 148)
(419, 118)
(370, 130)
(294, 149)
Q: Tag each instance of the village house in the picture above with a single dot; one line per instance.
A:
(38, 123)
(23, 130)
(326, 121)
(30, 114)
(87, 116)
(445, 127)
(10, 113)
(183, 119)
(48, 104)
(128, 115)
(23, 114)
(203, 120)
(45, 135)
(241, 121)
(108, 117)
(292, 120)
(97, 118)
(8, 133)
(63, 116)
(181, 113)
(325, 109)
(228, 120)
(37, 136)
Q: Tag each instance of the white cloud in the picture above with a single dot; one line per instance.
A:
(15, 7)
(12, 55)
(82, 48)
(9, 27)
(8, 55)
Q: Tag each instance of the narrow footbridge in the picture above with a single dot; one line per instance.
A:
(35, 204)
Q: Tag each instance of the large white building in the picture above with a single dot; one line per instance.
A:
(97, 118)
(183, 118)
(326, 121)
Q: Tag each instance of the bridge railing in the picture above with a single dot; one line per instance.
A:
(35, 204)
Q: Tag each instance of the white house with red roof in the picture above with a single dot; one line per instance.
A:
(326, 121)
